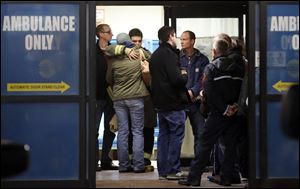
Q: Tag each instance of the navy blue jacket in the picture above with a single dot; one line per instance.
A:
(195, 67)
(222, 83)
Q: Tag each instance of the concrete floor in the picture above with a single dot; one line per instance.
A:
(114, 179)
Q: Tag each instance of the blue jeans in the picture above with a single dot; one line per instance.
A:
(170, 137)
(132, 109)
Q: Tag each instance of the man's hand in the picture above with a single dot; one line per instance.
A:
(132, 54)
(145, 66)
(232, 109)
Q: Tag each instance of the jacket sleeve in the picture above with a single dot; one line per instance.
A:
(109, 76)
(114, 50)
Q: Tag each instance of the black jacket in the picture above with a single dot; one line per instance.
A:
(222, 83)
(167, 84)
(101, 68)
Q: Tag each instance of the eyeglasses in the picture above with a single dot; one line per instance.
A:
(137, 41)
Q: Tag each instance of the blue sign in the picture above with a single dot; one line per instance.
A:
(39, 49)
(282, 47)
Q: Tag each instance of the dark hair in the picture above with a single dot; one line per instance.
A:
(164, 33)
(191, 34)
(238, 45)
(135, 32)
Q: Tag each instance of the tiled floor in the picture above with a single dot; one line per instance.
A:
(114, 179)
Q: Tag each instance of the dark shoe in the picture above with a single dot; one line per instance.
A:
(139, 171)
(109, 166)
(149, 168)
(147, 161)
(235, 181)
(130, 169)
(225, 182)
(188, 183)
(98, 168)
(216, 179)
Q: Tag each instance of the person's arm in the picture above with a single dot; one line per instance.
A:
(117, 50)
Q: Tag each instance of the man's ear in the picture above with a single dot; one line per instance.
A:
(213, 52)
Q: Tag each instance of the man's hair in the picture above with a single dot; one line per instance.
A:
(191, 34)
(221, 46)
(100, 28)
(135, 32)
(225, 37)
(164, 33)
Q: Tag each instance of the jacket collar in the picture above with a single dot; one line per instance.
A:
(196, 53)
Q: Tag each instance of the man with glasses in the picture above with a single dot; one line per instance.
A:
(104, 103)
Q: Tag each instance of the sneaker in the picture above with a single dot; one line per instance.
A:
(176, 176)
(129, 169)
(244, 179)
(163, 177)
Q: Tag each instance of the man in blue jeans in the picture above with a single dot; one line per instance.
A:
(169, 98)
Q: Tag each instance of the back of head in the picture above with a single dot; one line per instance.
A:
(123, 39)
(225, 37)
(164, 33)
(238, 45)
(221, 46)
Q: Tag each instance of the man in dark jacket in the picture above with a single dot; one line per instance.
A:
(194, 62)
(222, 84)
(169, 99)
(104, 103)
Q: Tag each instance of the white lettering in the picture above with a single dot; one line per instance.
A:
(295, 42)
(25, 23)
(72, 23)
(16, 23)
(49, 41)
(48, 24)
(33, 23)
(39, 23)
(274, 26)
(41, 26)
(284, 23)
(6, 24)
(28, 42)
(38, 42)
(290, 42)
(63, 24)
(55, 23)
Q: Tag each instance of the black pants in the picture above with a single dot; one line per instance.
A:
(105, 107)
(215, 126)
